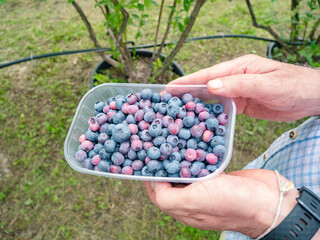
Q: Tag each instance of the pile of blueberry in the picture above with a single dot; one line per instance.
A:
(148, 134)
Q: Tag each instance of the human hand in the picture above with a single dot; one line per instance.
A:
(245, 201)
(263, 88)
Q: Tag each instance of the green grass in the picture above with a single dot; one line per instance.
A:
(41, 197)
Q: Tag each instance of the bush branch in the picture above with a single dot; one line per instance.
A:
(125, 20)
(313, 30)
(93, 35)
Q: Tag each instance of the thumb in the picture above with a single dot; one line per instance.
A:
(241, 85)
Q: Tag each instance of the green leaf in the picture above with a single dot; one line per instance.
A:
(147, 3)
(140, 7)
(180, 26)
(186, 20)
(186, 5)
(135, 16)
(70, 1)
(28, 202)
(2, 1)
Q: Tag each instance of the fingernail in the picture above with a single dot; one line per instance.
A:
(152, 185)
(215, 84)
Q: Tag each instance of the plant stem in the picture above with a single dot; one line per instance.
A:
(93, 35)
(313, 30)
(267, 28)
(125, 20)
(183, 37)
(294, 21)
(157, 30)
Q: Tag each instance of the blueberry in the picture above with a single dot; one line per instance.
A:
(221, 130)
(191, 143)
(166, 149)
(154, 153)
(145, 136)
(173, 175)
(217, 140)
(196, 131)
(173, 110)
(184, 134)
(110, 129)
(181, 152)
(119, 102)
(117, 158)
(156, 98)
(161, 173)
(92, 153)
(87, 163)
(203, 173)
(218, 108)
(210, 107)
(98, 147)
(147, 109)
(182, 143)
(188, 121)
(187, 97)
(173, 140)
(103, 137)
(143, 103)
(186, 164)
(211, 168)
(92, 136)
(127, 162)
(209, 149)
(182, 112)
(104, 154)
(154, 166)
(119, 117)
(81, 155)
(146, 93)
(136, 145)
(110, 145)
(166, 97)
(115, 169)
(185, 172)
(176, 101)
(155, 106)
(137, 173)
(200, 164)
(111, 99)
(165, 132)
(155, 130)
(196, 100)
(145, 172)
(195, 169)
(219, 150)
(132, 155)
(203, 145)
(104, 166)
(162, 108)
(127, 170)
(175, 156)
(101, 118)
(211, 123)
(130, 119)
(121, 133)
(137, 165)
(124, 147)
(138, 116)
(79, 147)
(158, 141)
(166, 121)
(142, 154)
(98, 106)
(131, 98)
(173, 167)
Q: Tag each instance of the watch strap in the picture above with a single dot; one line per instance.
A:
(302, 222)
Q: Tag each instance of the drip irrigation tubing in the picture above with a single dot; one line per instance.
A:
(26, 59)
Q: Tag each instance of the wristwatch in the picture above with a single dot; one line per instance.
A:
(303, 221)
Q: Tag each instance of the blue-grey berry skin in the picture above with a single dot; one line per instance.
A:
(120, 102)
(217, 140)
(166, 97)
(149, 116)
(103, 137)
(130, 119)
(173, 110)
(219, 150)
(175, 156)
(104, 166)
(209, 149)
(194, 169)
(98, 147)
(186, 164)
(191, 143)
(196, 121)
(196, 100)
(117, 158)
(92, 153)
(165, 163)
(121, 133)
(154, 153)
(146, 94)
(199, 139)
(145, 136)
(111, 99)
(221, 130)
(88, 164)
(155, 130)
(173, 140)
(162, 108)
(92, 136)
(158, 141)
(188, 121)
(200, 164)
(154, 166)
(79, 147)
(165, 149)
(158, 122)
(119, 97)
(165, 132)
(119, 117)
(211, 123)
(173, 175)
(155, 107)
(145, 172)
(110, 129)
(210, 107)
(98, 106)
(181, 152)
(137, 173)
(173, 167)
(182, 143)
(218, 108)
(132, 155)
(203, 145)
(147, 109)
(184, 134)
(127, 162)
(211, 168)
(142, 154)
(176, 101)
(187, 97)
(182, 112)
(137, 164)
(161, 173)
(110, 145)
(156, 98)
(104, 154)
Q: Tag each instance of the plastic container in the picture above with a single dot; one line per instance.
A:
(102, 92)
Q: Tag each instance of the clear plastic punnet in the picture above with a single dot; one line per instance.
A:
(102, 92)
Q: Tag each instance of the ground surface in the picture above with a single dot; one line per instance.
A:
(41, 197)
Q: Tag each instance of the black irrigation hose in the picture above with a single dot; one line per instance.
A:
(141, 47)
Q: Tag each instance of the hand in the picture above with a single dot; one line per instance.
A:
(245, 201)
(263, 88)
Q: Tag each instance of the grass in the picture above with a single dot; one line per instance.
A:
(41, 197)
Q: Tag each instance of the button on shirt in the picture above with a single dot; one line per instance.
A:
(296, 155)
